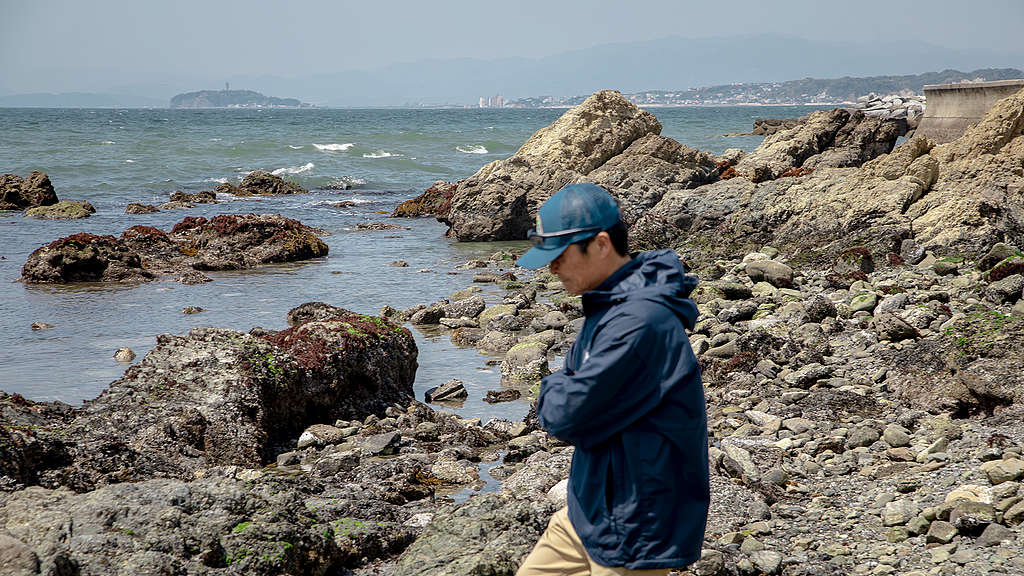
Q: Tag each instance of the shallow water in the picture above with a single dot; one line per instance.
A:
(115, 157)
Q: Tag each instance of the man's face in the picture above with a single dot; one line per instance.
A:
(577, 270)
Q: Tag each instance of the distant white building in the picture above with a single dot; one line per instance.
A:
(496, 101)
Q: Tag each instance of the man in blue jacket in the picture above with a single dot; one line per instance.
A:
(629, 399)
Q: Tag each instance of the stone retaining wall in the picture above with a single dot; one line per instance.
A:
(952, 108)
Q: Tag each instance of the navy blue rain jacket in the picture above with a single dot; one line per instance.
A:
(630, 400)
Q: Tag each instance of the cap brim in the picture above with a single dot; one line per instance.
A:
(540, 256)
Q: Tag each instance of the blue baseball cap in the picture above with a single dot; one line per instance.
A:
(574, 213)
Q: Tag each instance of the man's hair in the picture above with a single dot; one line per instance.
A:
(619, 236)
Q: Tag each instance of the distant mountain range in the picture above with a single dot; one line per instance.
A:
(667, 64)
(806, 91)
(231, 99)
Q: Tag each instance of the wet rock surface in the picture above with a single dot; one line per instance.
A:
(226, 242)
(63, 210)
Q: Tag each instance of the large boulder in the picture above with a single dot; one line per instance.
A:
(956, 199)
(434, 201)
(453, 544)
(17, 193)
(229, 521)
(973, 366)
(828, 138)
(259, 183)
(500, 201)
(225, 242)
(63, 210)
(84, 257)
(211, 397)
(653, 165)
(235, 242)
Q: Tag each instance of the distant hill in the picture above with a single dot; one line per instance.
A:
(805, 91)
(79, 100)
(666, 64)
(231, 99)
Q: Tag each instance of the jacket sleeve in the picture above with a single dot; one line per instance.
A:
(611, 389)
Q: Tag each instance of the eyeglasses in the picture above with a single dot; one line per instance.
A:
(538, 239)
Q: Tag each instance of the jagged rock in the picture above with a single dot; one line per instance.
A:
(226, 242)
(63, 210)
(496, 396)
(995, 255)
(261, 183)
(450, 544)
(651, 166)
(500, 201)
(974, 362)
(219, 523)
(828, 138)
(212, 397)
(202, 197)
(434, 201)
(17, 193)
(235, 242)
(84, 258)
(450, 390)
(769, 126)
(136, 208)
(1007, 290)
(469, 307)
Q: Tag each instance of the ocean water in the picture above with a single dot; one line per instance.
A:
(115, 157)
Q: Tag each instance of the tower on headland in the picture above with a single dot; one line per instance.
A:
(226, 87)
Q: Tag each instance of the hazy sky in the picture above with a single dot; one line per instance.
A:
(50, 45)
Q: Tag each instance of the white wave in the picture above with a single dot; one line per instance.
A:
(130, 161)
(108, 142)
(472, 150)
(296, 147)
(217, 180)
(294, 169)
(215, 139)
(380, 154)
(334, 147)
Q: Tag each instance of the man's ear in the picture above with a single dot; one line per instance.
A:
(604, 242)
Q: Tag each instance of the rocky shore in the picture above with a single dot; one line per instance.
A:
(860, 334)
(141, 253)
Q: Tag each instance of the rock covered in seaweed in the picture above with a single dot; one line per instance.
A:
(434, 201)
(212, 397)
(63, 210)
(261, 183)
(85, 257)
(225, 242)
(235, 242)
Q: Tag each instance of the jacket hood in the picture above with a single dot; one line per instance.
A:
(657, 276)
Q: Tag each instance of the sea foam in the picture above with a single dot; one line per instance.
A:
(472, 149)
(380, 154)
(334, 147)
(296, 147)
(294, 169)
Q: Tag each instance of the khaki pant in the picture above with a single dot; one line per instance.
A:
(559, 552)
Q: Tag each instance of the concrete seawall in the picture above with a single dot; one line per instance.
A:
(952, 108)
